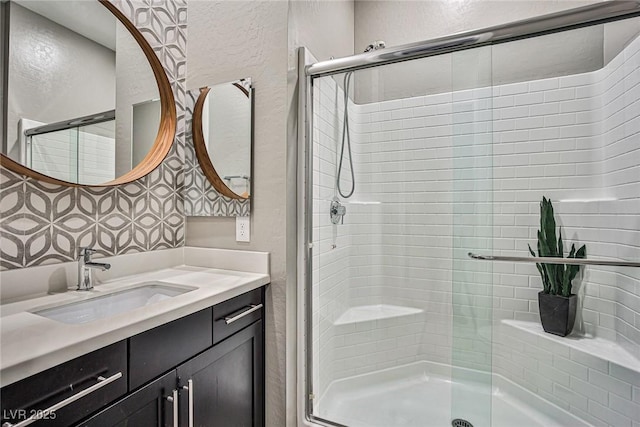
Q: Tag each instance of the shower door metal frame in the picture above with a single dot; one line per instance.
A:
(306, 90)
(571, 19)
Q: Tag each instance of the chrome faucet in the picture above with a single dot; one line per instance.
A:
(85, 269)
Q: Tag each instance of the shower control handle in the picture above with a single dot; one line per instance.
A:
(337, 212)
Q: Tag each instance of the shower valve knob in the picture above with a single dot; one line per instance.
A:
(337, 212)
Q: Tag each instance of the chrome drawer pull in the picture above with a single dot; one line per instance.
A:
(254, 307)
(102, 381)
(189, 388)
(174, 399)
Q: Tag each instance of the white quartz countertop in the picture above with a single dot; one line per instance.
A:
(30, 343)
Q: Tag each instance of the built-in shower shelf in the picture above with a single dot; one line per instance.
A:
(366, 313)
(600, 348)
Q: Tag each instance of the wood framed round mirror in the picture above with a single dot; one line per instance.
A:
(110, 125)
(222, 136)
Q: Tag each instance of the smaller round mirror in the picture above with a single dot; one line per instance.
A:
(222, 135)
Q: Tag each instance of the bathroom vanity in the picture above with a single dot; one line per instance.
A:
(194, 357)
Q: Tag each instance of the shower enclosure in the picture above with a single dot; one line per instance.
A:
(73, 152)
(451, 144)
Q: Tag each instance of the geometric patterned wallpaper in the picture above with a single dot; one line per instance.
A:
(200, 198)
(42, 223)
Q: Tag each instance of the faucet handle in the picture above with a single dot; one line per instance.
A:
(86, 250)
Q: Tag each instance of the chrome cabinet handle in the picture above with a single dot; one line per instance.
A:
(254, 307)
(174, 399)
(189, 388)
(102, 382)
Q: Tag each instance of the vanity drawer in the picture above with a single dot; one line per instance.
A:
(154, 352)
(85, 384)
(235, 314)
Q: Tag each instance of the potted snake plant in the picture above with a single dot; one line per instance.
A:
(556, 302)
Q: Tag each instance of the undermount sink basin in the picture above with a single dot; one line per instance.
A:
(113, 303)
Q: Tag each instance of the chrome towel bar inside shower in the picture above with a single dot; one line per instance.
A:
(551, 260)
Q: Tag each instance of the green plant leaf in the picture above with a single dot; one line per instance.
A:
(543, 250)
(540, 270)
(549, 227)
(556, 278)
(560, 248)
(572, 252)
(560, 268)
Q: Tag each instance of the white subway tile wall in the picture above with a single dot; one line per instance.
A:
(74, 156)
(430, 171)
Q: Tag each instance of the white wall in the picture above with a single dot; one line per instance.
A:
(309, 21)
(227, 129)
(135, 84)
(400, 22)
(74, 65)
(229, 41)
(146, 118)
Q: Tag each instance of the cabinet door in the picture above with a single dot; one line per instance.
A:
(146, 407)
(227, 383)
(82, 386)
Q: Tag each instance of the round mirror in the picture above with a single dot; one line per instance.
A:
(88, 102)
(222, 134)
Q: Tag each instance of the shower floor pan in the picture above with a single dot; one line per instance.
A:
(423, 394)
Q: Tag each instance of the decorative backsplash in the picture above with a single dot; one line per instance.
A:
(42, 223)
(200, 198)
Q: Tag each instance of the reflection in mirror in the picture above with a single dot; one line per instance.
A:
(83, 104)
(222, 134)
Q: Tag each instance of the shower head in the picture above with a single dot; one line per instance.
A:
(378, 44)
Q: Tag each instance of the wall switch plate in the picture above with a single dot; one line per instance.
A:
(243, 229)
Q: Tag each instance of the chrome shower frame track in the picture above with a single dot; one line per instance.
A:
(546, 24)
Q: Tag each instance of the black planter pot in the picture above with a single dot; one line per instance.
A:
(557, 313)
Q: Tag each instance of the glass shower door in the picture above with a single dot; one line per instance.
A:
(472, 231)
(400, 318)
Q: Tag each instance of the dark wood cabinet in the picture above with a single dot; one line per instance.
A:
(146, 407)
(205, 369)
(154, 352)
(226, 383)
(75, 388)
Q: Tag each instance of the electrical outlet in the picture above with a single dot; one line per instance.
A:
(243, 229)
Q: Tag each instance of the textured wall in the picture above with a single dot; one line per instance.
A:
(306, 19)
(400, 22)
(45, 224)
(237, 40)
(77, 64)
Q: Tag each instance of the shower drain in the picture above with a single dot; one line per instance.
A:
(458, 422)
